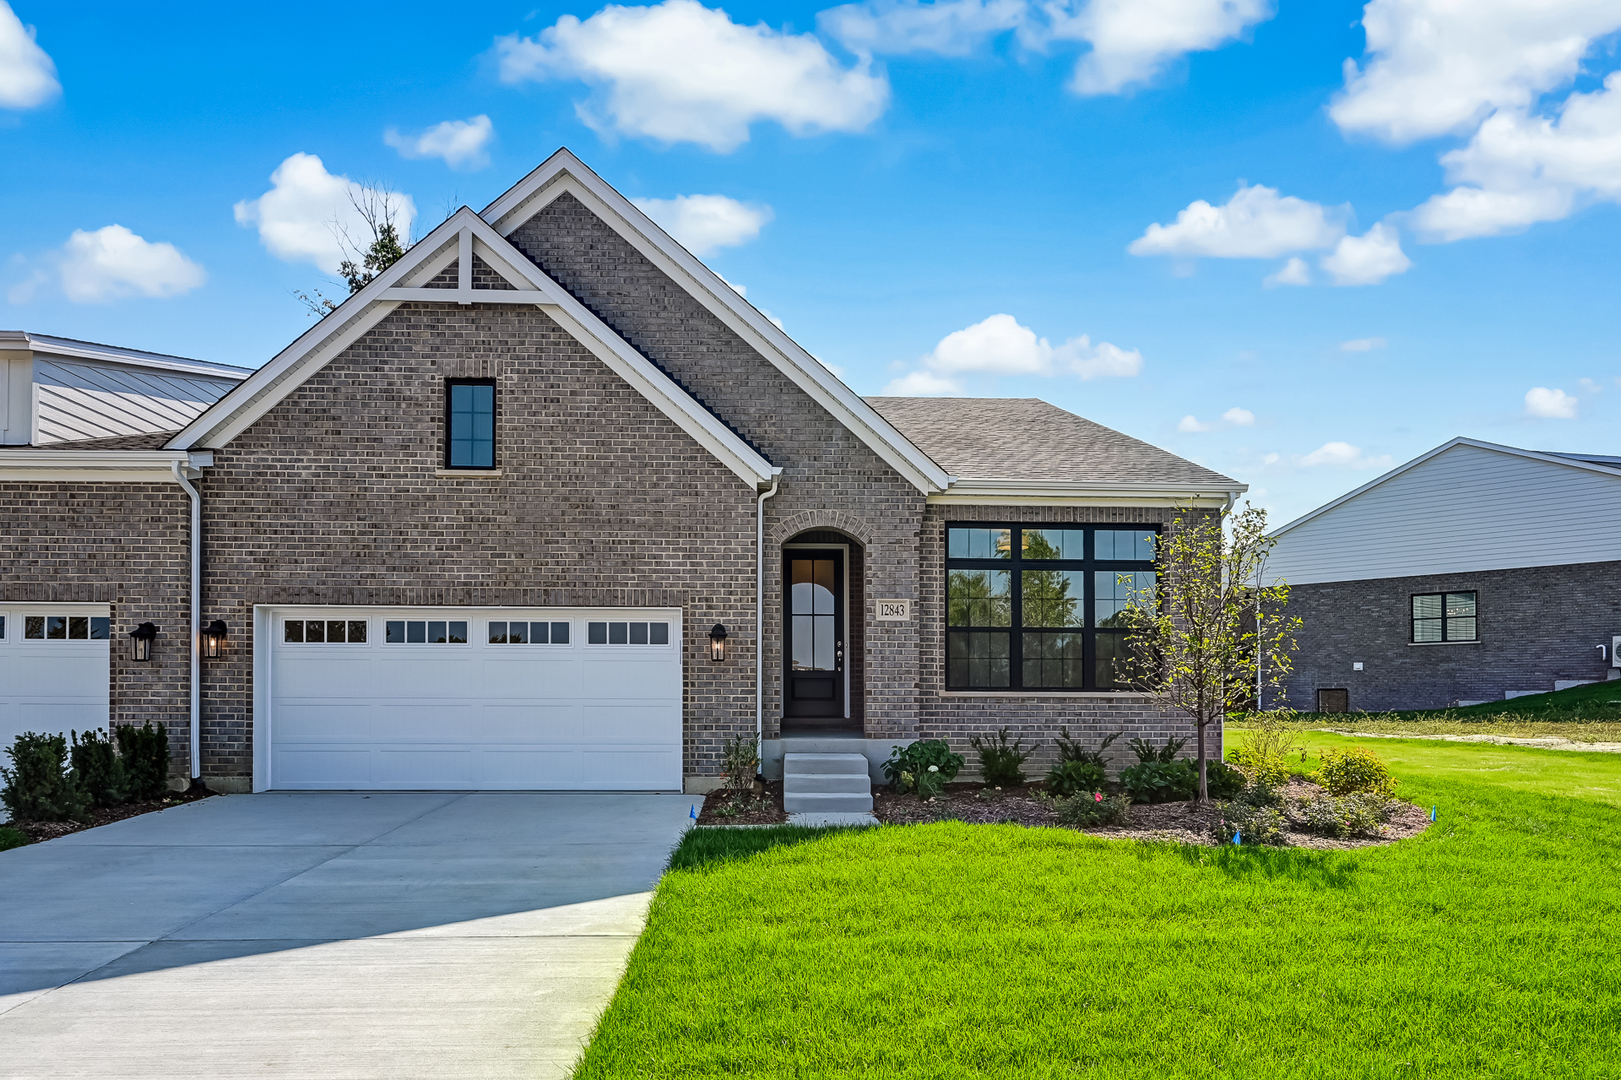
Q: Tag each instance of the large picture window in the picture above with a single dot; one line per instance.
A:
(470, 424)
(1038, 607)
(1439, 617)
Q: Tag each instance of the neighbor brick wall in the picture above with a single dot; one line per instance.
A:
(1536, 625)
(124, 545)
(955, 715)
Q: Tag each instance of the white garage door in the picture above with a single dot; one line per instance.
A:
(471, 699)
(54, 669)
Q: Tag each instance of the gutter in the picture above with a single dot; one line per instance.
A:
(759, 608)
(196, 624)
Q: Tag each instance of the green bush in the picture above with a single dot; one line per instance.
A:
(1161, 781)
(1000, 762)
(1252, 824)
(1071, 749)
(39, 786)
(1259, 794)
(1265, 756)
(924, 767)
(10, 838)
(1361, 814)
(100, 769)
(1346, 772)
(1093, 808)
(1221, 780)
(145, 751)
(1070, 778)
(1148, 753)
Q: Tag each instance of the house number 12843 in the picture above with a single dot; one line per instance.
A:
(894, 610)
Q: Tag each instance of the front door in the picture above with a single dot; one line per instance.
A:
(815, 668)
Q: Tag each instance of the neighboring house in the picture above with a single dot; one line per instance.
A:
(549, 505)
(1475, 572)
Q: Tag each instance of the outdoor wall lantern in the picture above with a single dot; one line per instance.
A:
(141, 639)
(214, 639)
(717, 643)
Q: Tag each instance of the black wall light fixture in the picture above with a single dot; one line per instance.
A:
(214, 639)
(717, 643)
(141, 641)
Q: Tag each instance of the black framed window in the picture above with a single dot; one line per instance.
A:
(470, 423)
(1447, 616)
(1040, 607)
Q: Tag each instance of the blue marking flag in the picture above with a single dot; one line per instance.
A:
(1432, 813)
(1236, 838)
(694, 814)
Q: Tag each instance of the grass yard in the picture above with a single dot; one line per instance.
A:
(1490, 946)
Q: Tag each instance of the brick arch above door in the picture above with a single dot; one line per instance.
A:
(813, 520)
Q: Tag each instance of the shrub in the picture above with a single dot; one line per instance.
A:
(924, 767)
(1001, 763)
(1070, 778)
(1147, 752)
(1259, 794)
(1252, 824)
(1360, 814)
(740, 760)
(1221, 780)
(10, 838)
(145, 751)
(100, 769)
(1265, 755)
(1161, 781)
(1093, 808)
(1071, 750)
(39, 786)
(1345, 772)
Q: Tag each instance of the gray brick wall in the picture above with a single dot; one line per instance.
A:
(1536, 625)
(124, 545)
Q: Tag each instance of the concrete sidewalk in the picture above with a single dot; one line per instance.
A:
(327, 935)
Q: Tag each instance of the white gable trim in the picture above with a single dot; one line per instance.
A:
(563, 173)
(1080, 493)
(462, 235)
(1551, 459)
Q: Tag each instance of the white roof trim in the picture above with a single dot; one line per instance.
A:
(1534, 455)
(564, 173)
(986, 490)
(90, 466)
(46, 345)
(463, 233)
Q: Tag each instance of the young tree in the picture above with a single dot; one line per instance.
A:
(364, 258)
(1209, 631)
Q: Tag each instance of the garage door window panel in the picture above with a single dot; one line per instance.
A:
(627, 633)
(63, 628)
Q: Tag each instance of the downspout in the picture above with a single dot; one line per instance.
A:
(196, 621)
(759, 609)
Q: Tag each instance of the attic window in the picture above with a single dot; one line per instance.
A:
(470, 423)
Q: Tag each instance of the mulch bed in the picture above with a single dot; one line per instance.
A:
(1180, 822)
(38, 831)
(770, 815)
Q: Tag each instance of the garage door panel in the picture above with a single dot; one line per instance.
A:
(42, 674)
(475, 715)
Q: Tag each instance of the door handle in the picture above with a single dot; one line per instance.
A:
(838, 656)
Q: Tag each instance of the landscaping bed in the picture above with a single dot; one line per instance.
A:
(1181, 822)
(762, 809)
(37, 831)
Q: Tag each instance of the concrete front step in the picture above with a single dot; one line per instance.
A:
(829, 783)
(804, 802)
(838, 764)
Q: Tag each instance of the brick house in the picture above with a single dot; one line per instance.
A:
(1475, 572)
(550, 505)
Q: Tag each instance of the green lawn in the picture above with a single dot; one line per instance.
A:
(1490, 946)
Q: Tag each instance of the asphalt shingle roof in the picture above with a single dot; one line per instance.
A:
(1029, 439)
(147, 440)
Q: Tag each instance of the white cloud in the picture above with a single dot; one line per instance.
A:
(1293, 272)
(1234, 417)
(679, 72)
(898, 27)
(1520, 169)
(112, 263)
(1343, 455)
(1362, 344)
(1439, 66)
(999, 346)
(1550, 404)
(27, 74)
(1191, 424)
(300, 218)
(1254, 224)
(1367, 259)
(922, 384)
(703, 223)
(1132, 40)
(461, 144)
(1590, 386)
(1239, 417)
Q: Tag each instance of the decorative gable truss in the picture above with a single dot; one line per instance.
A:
(460, 239)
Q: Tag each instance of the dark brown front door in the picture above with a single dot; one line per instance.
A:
(813, 589)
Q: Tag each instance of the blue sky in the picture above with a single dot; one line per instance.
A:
(1186, 219)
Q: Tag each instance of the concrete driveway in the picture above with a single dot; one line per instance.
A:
(327, 935)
